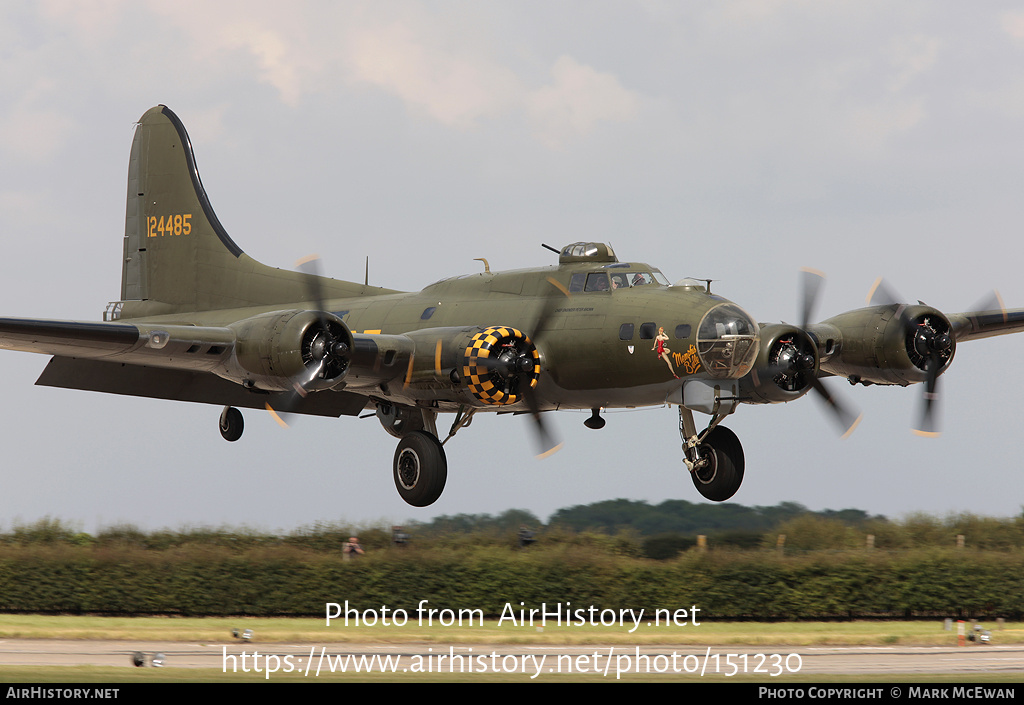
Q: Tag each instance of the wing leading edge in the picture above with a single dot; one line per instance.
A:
(974, 325)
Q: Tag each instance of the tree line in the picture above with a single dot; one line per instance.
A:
(618, 527)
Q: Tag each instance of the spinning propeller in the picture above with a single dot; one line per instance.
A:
(546, 442)
(324, 347)
(793, 359)
(513, 366)
(929, 344)
(810, 283)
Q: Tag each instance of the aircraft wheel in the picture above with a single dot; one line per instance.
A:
(721, 477)
(231, 423)
(421, 468)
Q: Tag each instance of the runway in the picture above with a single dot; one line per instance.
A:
(268, 661)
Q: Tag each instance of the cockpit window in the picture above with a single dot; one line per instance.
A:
(597, 281)
(604, 281)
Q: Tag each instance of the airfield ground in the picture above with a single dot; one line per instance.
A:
(99, 649)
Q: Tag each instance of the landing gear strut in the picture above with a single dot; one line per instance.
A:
(714, 458)
(231, 424)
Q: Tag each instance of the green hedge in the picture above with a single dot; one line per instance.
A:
(724, 585)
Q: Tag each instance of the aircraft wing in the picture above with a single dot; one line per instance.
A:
(67, 337)
(985, 324)
(185, 385)
(197, 348)
(162, 362)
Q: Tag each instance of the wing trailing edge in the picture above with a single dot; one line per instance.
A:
(183, 385)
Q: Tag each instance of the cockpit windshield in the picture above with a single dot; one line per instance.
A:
(615, 276)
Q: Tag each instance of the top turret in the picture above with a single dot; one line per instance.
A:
(586, 252)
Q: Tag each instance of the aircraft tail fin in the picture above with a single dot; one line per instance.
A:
(177, 255)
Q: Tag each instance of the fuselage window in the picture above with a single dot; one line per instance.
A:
(648, 331)
(683, 330)
(427, 312)
(641, 278)
(626, 331)
(597, 281)
(576, 283)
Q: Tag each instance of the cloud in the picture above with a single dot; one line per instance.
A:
(912, 57)
(459, 86)
(874, 125)
(30, 130)
(579, 98)
(279, 63)
(1012, 23)
(458, 72)
(454, 87)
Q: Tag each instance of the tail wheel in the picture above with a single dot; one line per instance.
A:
(231, 423)
(719, 479)
(421, 468)
(499, 364)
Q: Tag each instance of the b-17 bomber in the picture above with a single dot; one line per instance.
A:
(199, 320)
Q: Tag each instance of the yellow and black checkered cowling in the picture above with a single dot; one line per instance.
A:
(494, 386)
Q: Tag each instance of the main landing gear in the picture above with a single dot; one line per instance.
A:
(714, 457)
(420, 467)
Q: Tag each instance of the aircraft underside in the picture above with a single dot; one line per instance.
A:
(714, 456)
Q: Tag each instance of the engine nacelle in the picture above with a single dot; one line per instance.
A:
(786, 364)
(491, 366)
(886, 344)
(500, 364)
(275, 350)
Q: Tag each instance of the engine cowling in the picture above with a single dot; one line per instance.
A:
(275, 350)
(786, 364)
(886, 344)
(499, 364)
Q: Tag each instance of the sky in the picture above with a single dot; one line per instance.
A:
(736, 140)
